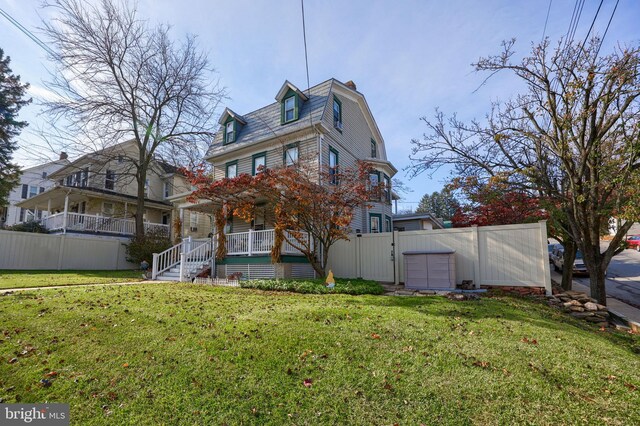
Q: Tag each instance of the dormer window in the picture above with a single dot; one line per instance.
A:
(230, 132)
(289, 109)
(374, 149)
(291, 99)
(337, 113)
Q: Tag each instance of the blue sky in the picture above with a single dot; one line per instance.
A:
(406, 57)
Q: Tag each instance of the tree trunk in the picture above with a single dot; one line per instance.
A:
(569, 257)
(141, 179)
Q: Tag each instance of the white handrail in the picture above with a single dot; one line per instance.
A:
(166, 260)
(195, 259)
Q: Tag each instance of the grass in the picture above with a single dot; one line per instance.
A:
(18, 279)
(188, 354)
(317, 286)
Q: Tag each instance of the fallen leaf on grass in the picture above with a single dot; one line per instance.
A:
(631, 386)
(530, 341)
(125, 365)
(375, 336)
(483, 364)
(51, 374)
(13, 360)
(307, 383)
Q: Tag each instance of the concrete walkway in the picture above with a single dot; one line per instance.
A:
(11, 290)
(616, 307)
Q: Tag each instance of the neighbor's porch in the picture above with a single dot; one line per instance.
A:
(257, 243)
(95, 224)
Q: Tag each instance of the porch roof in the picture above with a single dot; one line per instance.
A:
(58, 193)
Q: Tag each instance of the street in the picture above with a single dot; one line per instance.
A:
(623, 277)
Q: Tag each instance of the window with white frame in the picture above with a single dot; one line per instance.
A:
(193, 221)
(166, 189)
(289, 109)
(333, 166)
(232, 169)
(375, 223)
(110, 180)
(230, 132)
(337, 113)
(291, 156)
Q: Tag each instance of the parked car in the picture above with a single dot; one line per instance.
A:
(551, 248)
(633, 242)
(579, 268)
(555, 254)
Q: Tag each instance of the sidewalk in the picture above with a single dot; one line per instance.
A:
(616, 307)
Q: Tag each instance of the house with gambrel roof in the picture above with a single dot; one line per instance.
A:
(329, 125)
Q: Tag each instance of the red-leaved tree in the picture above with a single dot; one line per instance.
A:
(308, 211)
(494, 203)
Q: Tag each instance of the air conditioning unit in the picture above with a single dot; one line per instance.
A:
(338, 125)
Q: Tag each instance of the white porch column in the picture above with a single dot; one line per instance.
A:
(181, 223)
(48, 206)
(64, 217)
(250, 242)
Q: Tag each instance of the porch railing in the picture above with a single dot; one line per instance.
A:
(78, 222)
(255, 242)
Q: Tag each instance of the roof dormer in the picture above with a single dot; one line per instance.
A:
(231, 123)
(291, 99)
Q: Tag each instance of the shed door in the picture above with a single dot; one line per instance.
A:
(438, 271)
(416, 271)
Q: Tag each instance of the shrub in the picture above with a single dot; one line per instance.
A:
(316, 286)
(30, 226)
(142, 248)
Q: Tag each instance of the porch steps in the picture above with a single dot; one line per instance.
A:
(191, 270)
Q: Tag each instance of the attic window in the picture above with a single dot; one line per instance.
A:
(374, 149)
(337, 113)
(290, 109)
(230, 131)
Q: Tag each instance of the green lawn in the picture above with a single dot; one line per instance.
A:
(188, 354)
(17, 279)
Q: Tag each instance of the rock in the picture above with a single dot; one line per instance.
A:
(593, 300)
(572, 303)
(576, 308)
(602, 314)
(582, 315)
(593, 319)
(564, 298)
(601, 307)
(590, 306)
(583, 299)
(575, 294)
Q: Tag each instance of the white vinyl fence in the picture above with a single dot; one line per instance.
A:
(507, 255)
(25, 250)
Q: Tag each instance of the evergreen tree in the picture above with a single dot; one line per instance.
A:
(439, 204)
(11, 100)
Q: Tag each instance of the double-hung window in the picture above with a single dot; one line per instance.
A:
(375, 223)
(259, 163)
(337, 113)
(230, 132)
(374, 149)
(333, 166)
(289, 109)
(232, 169)
(291, 155)
(386, 191)
(110, 180)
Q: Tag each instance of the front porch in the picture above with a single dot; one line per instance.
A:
(95, 224)
(252, 243)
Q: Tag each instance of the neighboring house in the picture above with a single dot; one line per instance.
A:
(416, 222)
(328, 126)
(33, 181)
(96, 194)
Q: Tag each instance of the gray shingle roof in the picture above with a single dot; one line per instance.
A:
(264, 123)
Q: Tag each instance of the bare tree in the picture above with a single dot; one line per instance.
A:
(119, 79)
(571, 138)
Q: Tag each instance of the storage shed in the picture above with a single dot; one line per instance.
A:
(430, 270)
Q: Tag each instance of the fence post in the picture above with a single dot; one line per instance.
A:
(182, 259)
(250, 242)
(476, 256)
(545, 256)
(154, 267)
(396, 257)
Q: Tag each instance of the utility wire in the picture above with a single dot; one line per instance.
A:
(544, 31)
(306, 58)
(28, 33)
(592, 24)
(607, 29)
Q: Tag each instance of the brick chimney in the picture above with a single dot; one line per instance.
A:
(351, 85)
(63, 155)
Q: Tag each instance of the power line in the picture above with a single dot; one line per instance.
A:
(304, 36)
(607, 29)
(544, 31)
(28, 33)
(591, 27)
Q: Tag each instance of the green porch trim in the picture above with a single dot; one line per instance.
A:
(256, 260)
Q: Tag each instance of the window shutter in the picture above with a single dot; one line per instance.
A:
(25, 191)
(21, 215)
(41, 189)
